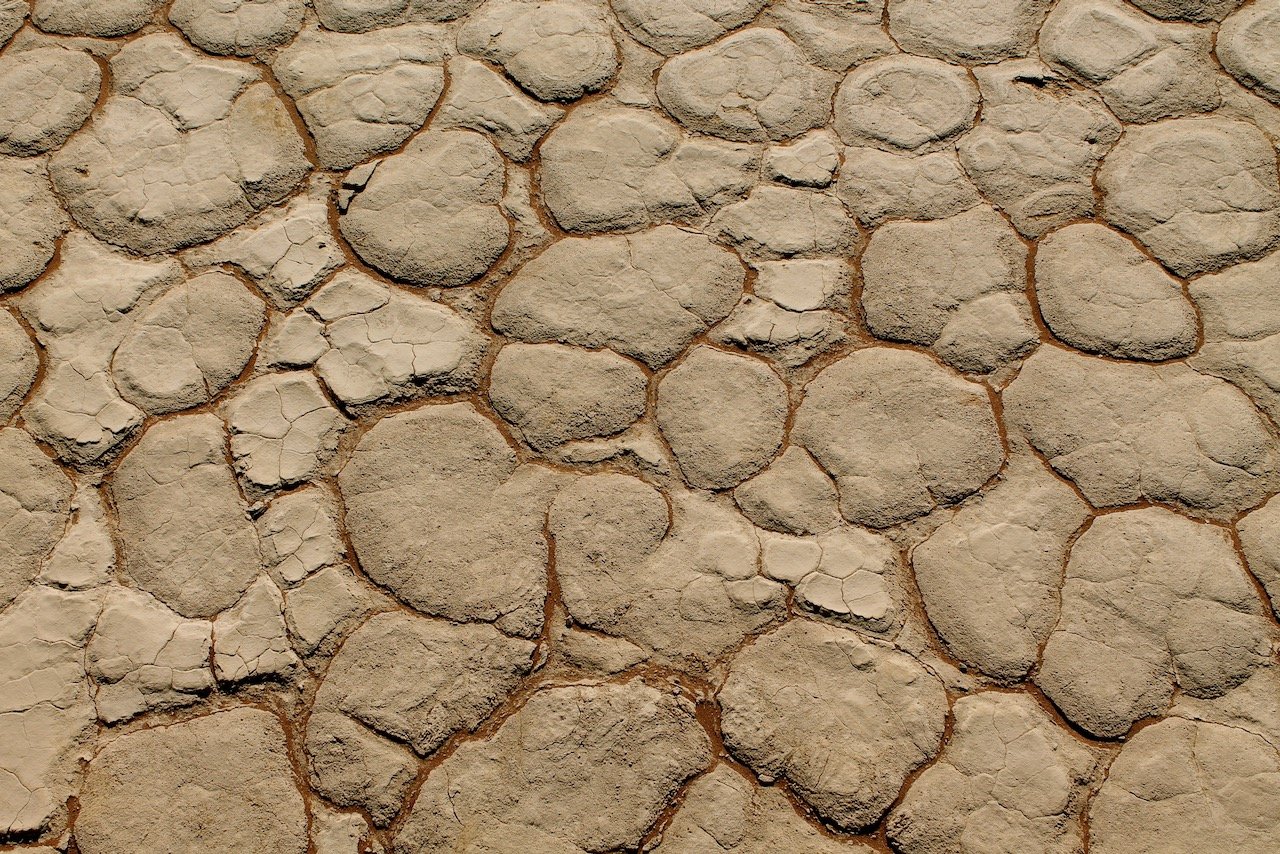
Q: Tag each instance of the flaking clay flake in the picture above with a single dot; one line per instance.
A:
(604, 426)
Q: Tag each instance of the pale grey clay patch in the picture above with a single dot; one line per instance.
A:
(678, 426)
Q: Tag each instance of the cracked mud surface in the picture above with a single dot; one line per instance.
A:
(593, 426)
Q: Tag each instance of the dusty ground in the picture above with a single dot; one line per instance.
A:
(683, 425)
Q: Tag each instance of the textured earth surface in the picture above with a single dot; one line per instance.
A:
(601, 426)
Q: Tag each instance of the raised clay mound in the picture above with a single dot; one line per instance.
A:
(623, 426)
